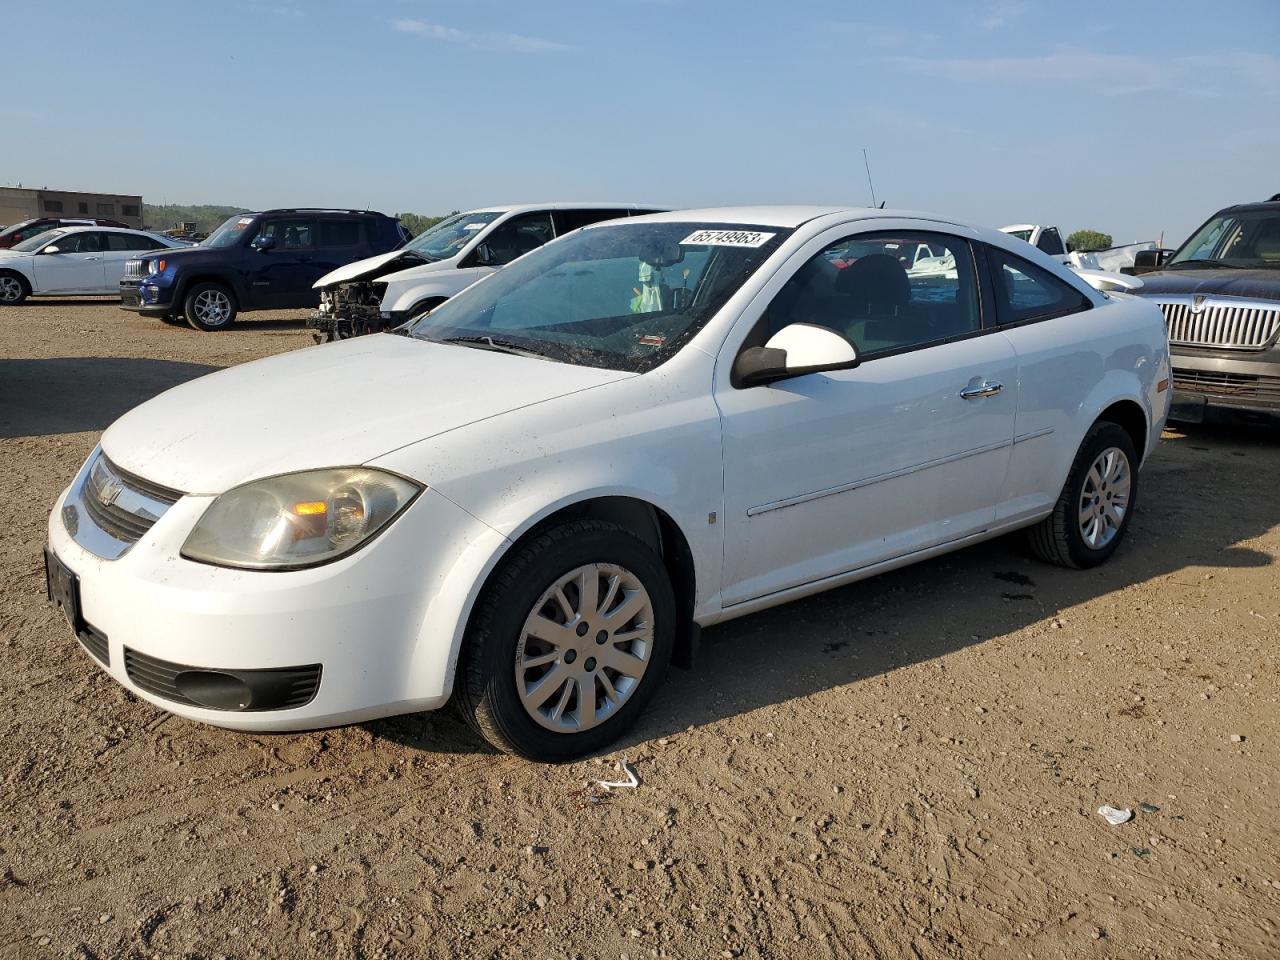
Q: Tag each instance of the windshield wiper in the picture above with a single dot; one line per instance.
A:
(498, 346)
(1198, 263)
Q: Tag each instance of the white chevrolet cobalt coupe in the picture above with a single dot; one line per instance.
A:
(532, 499)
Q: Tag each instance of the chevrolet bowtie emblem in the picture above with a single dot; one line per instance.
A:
(109, 491)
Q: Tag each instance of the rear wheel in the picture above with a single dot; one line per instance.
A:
(209, 307)
(568, 642)
(1096, 504)
(13, 289)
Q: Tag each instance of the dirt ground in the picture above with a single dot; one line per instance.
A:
(908, 767)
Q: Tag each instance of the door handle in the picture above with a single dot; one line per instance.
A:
(985, 389)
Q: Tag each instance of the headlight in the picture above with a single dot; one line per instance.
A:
(299, 519)
(154, 267)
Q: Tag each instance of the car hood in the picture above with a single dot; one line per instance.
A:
(1223, 282)
(379, 266)
(343, 403)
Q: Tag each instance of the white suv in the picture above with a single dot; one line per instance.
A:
(73, 260)
(532, 500)
(384, 291)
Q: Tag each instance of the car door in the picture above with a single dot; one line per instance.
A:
(512, 238)
(339, 241)
(832, 472)
(282, 275)
(76, 267)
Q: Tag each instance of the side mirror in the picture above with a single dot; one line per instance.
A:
(482, 256)
(1150, 259)
(793, 351)
(263, 244)
(53, 248)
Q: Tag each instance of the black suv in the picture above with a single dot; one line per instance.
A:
(254, 261)
(1220, 294)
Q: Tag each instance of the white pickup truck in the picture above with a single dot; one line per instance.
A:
(1048, 239)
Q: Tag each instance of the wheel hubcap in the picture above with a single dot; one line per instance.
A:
(212, 307)
(564, 690)
(1104, 501)
(10, 289)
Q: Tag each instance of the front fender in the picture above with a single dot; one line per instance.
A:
(405, 295)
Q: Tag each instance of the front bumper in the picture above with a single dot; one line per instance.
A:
(154, 300)
(1203, 380)
(358, 628)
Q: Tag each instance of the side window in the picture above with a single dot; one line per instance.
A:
(339, 233)
(290, 234)
(518, 236)
(88, 241)
(131, 241)
(1051, 242)
(1024, 292)
(884, 292)
(568, 220)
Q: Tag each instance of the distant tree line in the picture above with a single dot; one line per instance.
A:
(415, 223)
(1086, 240)
(207, 216)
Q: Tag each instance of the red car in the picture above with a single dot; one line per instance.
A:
(29, 228)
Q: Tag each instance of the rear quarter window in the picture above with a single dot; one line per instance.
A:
(1025, 293)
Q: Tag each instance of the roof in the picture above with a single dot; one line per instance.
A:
(569, 205)
(788, 216)
(79, 227)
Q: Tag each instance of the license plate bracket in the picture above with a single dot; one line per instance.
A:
(63, 588)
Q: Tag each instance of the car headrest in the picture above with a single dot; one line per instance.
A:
(877, 279)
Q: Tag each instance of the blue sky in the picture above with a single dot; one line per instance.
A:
(1129, 118)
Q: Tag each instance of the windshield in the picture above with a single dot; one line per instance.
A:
(230, 232)
(625, 296)
(16, 227)
(1021, 234)
(1247, 238)
(39, 240)
(447, 238)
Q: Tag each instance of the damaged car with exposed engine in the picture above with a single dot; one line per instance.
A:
(385, 291)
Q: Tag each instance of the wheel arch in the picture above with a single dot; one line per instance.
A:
(1129, 415)
(23, 279)
(204, 277)
(471, 575)
(652, 524)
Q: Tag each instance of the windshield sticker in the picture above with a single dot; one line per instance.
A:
(651, 340)
(474, 226)
(727, 238)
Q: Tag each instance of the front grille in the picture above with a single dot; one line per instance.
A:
(123, 506)
(95, 641)
(135, 269)
(282, 688)
(1241, 386)
(1221, 323)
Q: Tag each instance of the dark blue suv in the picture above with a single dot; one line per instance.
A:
(254, 261)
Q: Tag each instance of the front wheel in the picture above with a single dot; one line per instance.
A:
(1096, 504)
(13, 289)
(209, 307)
(568, 642)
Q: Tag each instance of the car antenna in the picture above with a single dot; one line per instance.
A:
(867, 163)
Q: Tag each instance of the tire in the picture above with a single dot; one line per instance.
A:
(420, 310)
(209, 307)
(1096, 504)
(14, 288)
(504, 665)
